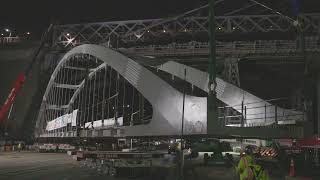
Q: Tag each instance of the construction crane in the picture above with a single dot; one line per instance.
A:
(17, 85)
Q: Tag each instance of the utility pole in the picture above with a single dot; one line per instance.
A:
(311, 95)
(212, 120)
(182, 128)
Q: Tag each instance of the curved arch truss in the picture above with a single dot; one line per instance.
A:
(95, 88)
(96, 91)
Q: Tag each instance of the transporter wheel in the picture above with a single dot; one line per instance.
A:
(205, 159)
(112, 171)
(105, 169)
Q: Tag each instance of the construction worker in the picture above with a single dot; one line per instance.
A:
(245, 162)
(19, 147)
(258, 172)
(248, 169)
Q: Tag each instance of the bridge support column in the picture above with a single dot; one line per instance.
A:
(213, 123)
(231, 74)
(231, 70)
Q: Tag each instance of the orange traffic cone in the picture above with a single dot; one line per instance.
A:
(292, 171)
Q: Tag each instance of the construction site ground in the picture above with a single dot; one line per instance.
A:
(60, 166)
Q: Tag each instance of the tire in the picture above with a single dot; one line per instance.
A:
(205, 158)
(112, 171)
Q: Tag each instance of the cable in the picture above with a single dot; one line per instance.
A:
(239, 10)
(173, 18)
(273, 10)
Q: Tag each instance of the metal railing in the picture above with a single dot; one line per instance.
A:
(228, 48)
(9, 40)
(262, 113)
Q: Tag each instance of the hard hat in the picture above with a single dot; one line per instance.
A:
(248, 150)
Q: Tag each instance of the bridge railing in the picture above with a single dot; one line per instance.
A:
(252, 114)
(228, 48)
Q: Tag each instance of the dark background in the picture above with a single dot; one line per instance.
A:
(22, 16)
(35, 15)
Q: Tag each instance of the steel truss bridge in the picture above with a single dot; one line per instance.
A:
(102, 90)
(129, 33)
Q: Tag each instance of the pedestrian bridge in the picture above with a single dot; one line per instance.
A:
(99, 92)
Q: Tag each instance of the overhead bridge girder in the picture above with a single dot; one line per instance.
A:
(137, 30)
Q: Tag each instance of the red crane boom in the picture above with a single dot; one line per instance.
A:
(21, 79)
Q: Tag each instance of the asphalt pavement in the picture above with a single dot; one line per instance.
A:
(43, 166)
(60, 166)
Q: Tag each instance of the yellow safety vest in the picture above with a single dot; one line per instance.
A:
(259, 172)
(244, 169)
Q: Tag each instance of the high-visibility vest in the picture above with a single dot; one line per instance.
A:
(259, 172)
(244, 169)
(248, 169)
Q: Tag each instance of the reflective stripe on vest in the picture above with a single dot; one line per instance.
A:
(250, 172)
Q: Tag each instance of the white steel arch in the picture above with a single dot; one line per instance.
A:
(166, 101)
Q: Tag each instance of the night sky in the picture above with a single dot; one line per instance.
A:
(35, 15)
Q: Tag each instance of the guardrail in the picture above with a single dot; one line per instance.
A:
(9, 40)
(259, 114)
(228, 48)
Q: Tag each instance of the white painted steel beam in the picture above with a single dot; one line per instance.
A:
(167, 101)
(66, 86)
(57, 107)
(258, 111)
(76, 68)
